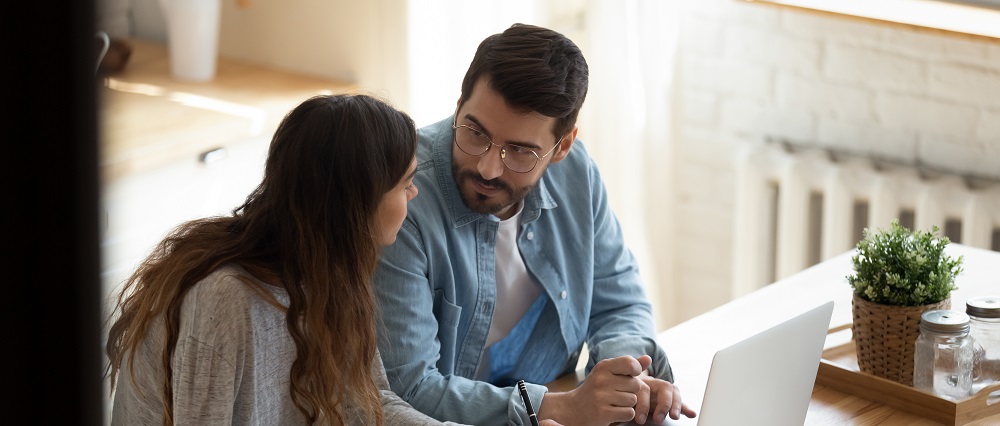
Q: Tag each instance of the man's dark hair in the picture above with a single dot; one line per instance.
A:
(534, 69)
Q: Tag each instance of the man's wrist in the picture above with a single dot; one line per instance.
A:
(552, 406)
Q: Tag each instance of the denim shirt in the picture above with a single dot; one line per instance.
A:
(436, 286)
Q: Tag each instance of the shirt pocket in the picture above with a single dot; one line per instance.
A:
(447, 313)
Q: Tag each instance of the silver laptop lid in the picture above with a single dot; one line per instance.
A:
(767, 379)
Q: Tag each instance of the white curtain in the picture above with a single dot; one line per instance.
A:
(626, 123)
(442, 37)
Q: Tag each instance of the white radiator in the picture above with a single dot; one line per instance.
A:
(797, 207)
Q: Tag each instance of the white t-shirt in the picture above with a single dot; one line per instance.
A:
(516, 288)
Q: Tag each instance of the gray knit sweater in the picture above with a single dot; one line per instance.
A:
(231, 364)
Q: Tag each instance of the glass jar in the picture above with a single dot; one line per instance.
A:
(984, 314)
(942, 361)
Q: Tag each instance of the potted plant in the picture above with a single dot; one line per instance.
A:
(898, 274)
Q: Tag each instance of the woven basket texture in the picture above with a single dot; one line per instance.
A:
(884, 337)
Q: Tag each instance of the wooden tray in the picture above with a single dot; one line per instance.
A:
(838, 369)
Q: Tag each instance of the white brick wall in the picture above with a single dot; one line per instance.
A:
(822, 98)
(975, 85)
(766, 119)
(926, 116)
(765, 46)
(989, 126)
(857, 136)
(749, 72)
(873, 69)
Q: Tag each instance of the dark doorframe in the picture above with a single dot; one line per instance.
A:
(50, 204)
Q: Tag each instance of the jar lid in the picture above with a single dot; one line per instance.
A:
(944, 321)
(983, 306)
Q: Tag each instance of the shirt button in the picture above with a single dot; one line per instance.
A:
(562, 294)
(530, 235)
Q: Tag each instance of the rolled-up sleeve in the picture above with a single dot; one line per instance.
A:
(398, 412)
(621, 318)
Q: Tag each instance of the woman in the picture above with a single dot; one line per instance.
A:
(267, 316)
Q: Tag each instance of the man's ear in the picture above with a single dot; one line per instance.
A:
(567, 143)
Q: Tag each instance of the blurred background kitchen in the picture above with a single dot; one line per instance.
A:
(703, 116)
(740, 141)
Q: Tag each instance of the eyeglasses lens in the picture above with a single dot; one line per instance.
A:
(474, 142)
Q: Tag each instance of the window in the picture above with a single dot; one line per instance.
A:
(976, 17)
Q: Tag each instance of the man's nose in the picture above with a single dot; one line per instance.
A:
(490, 164)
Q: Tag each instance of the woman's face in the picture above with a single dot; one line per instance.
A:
(392, 208)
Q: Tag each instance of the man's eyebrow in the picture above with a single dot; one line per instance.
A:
(482, 128)
(478, 124)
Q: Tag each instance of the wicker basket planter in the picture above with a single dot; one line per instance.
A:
(884, 336)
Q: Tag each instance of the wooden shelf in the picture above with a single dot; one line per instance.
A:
(951, 16)
(148, 118)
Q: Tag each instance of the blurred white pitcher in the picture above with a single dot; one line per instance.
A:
(192, 37)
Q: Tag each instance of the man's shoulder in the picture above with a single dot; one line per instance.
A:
(435, 131)
(433, 171)
(579, 154)
(576, 167)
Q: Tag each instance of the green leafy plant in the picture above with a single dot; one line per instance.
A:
(901, 267)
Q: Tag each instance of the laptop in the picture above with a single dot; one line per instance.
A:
(767, 379)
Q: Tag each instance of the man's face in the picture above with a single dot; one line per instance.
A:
(486, 185)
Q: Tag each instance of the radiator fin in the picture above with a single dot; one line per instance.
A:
(797, 207)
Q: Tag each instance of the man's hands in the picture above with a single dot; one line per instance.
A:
(606, 396)
(659, 399)
(616, 390)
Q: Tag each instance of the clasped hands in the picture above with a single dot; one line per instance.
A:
(616, 390)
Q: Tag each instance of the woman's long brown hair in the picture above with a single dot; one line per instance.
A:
(312, 223)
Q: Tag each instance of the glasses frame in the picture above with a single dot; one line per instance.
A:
(503, 148)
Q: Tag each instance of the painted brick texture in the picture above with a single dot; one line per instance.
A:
(749, 72)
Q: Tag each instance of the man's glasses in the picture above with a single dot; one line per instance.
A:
(517, 158)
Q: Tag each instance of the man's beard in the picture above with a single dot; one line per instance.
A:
(479, 202)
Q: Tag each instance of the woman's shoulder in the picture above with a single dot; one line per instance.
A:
(227, 298)
(227, 285)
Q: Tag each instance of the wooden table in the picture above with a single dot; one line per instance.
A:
(691, 344)
(150, 119)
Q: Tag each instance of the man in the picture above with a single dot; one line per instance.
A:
(511, 258)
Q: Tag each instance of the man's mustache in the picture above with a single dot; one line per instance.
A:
(492, 183)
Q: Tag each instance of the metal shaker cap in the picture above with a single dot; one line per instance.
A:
(983, 306)
(945, 321)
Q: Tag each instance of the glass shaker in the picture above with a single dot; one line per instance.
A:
(984, 314)
(942, 361)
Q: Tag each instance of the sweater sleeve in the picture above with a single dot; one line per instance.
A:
(397, 411)
(204, 385)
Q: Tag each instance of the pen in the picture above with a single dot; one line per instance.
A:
(527, 402)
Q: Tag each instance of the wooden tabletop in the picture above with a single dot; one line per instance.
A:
(148, 118)
(692, 344)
